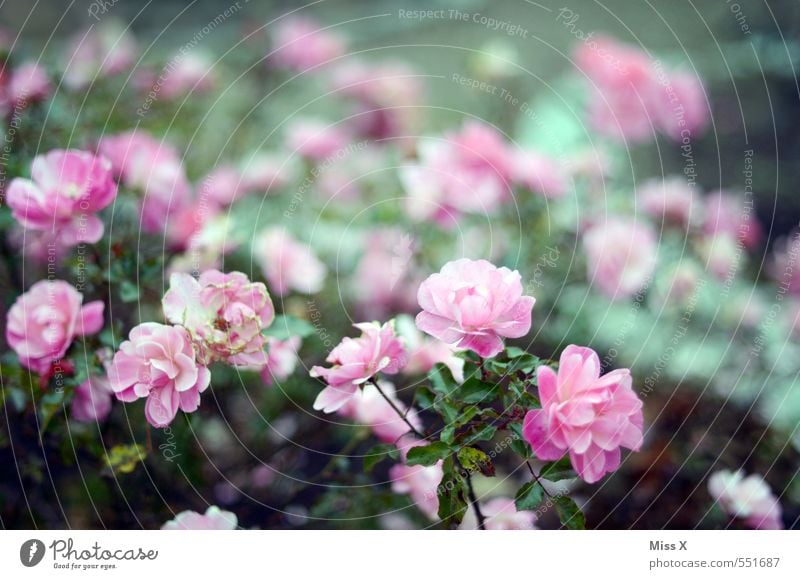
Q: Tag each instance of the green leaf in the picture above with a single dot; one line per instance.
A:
(424, 398)
(559, 470)
(442, 380)
(378, 453)
(514, 352)
(452, 492)
(529, 496)
(474, 390)
(525, 363)
(447, 409)
(284, 327)
(481, 432)
(473, 459)
(568, 512)
(128, 292)
(429, 454)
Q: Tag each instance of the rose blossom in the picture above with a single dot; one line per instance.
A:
(671, 200)
(44, 321)
(500, 514)
(214, 519)
(316, 140)
(355, 361)
(224, 314)
(473, 305)
(301, 44)
(425, 353)
(158, 362)
(92, 400)
(29, 83)
(582, 413)
(621, 256)
(369, 407)
(190, 73)
(288, 264)
(67, 188)
(104, 50)
(747, 498)
(727, 214)
(539, 173)
(281, 359)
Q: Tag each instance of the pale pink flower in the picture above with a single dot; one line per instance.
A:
(748, 498)
(300, 44)
(224, 314)
(474, 305)
(104, 50)
(729, 214)
(684, 109)
(421, 483)
(67, 188)
(621, 256)
(282, 359)
(153, 168)
(207, 242)
(465, 172)
(370, 408)
(222, 186)
(500, 514)
(214, 519)
(671, 200)
(185, 74)
(316, 140)
(583, 414)
(44, 321)
(92, 400)
(266, 171)
(288, 264)
(29, 83)
(158, 362)
(539, 173)
(425, 352)
(355, 361)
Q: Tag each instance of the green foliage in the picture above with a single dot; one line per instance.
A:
(429, 454)
(379, 453)
(285, 326)
(569, 513)
(529, 496)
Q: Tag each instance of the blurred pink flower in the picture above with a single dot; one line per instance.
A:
(370, 408)
(224, 314)
(92, 400)
(29, 83)
(582, 413)
(184, 74)
(722, 255)
(153, 168)
(425, 352)
(420, 482)
(158, 362)
(500, 515)
(356, 360)
(44, 321)
(300, 44)
(101, 51)
(728, 214)
(473, 305)
(316, 140)
(747, 498)
(281, 359)
(465, 172)
(222, 186)
(67, 188)
(671, 200)
(621, 256)
(266, 171)
(539, 173)
(214, 519)
(684, 108)
(785, 264)
(288, 264)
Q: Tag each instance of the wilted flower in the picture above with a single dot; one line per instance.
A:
(44, 321)
(621, 255)
(747, 498)
(355, 361)
(214, 519)
(583, 414)
(224, 313)
(67, 188)
(158, 362)
(288, 264)
(474, 305)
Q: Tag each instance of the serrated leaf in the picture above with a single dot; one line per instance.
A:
(481, 432)
(529, 496)
(569, 513)
(559, 470)
(379, 453)
(285, 327)
(473, 459)
(474, 391)
(429, 454)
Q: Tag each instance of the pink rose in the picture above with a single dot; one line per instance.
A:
(316, 140)
(425, 352)
(369, 407)
(104, 50)
(29, 83)
(214, 519)
(539, 173)
(92, 400)
(222, 186)
(474, 305)
(500, 514)
(589, 416)
(67, 188)
(621, 256)
(44, 321)
(747, 498)
(158, 362)
(671, 200)
(266, 171)
(153, 168)
(281, 359)
(727, 214)
(355, 361)
(301, 44)
(224, 313)
(288, 264)
(185, 74)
